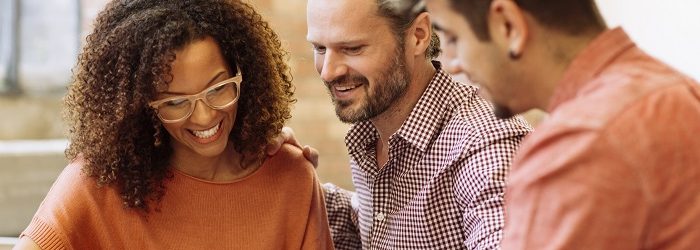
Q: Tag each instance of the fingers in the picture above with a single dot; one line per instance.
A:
(311, 154)
(275, 145)
(285, 136)
(289, 136)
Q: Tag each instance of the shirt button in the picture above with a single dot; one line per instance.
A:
(380, 216)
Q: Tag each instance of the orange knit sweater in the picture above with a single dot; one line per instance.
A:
(280, 206)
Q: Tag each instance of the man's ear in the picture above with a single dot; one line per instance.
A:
(420, 34)
(508, 27)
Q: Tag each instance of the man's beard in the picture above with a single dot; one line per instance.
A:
(502, 112)
(390, 86)
(499, 110)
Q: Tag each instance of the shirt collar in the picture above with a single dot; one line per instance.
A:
(422, 124)
(589, 63)
(428, 115)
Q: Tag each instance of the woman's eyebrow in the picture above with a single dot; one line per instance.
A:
(213, 79)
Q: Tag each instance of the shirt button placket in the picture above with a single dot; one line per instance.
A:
(380, 216)
(379, 204)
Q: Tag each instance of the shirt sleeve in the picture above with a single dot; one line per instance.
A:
(44, 235)
(580, 195)
(342, 217)
(480, 186)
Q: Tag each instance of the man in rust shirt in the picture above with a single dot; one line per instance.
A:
(616, 165)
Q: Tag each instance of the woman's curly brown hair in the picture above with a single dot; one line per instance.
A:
(128, 56)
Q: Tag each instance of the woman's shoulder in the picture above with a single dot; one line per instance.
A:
(70, 202)
(72, 179)
(76, 194)
(290, 161)
(74, 188)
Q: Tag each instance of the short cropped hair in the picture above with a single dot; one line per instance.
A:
(568, 16)
(400, 22)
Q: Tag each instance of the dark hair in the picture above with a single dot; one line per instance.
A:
(400, 22)
(127, 58)
(569, 16)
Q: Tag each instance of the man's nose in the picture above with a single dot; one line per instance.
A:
(333, 67)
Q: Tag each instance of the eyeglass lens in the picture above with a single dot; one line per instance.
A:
(216, 97)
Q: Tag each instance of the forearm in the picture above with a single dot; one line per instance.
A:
(578, 205)
(483, 219)
(584, 196)
(342, 217)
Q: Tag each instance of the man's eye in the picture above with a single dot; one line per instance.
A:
(319, 49)
(451, 39)
(354, 50)
(448, 38)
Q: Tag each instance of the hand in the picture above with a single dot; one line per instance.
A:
(287, 136)
(311, 154)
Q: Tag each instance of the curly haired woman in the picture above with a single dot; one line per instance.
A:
(171, 108)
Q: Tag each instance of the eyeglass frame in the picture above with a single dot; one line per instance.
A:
(200, 96)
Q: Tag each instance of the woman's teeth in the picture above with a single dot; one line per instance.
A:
(204, 134)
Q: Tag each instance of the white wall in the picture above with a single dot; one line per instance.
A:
(668, 30)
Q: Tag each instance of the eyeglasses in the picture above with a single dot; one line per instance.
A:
(178, 108)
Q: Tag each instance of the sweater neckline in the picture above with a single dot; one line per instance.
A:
(251, 175)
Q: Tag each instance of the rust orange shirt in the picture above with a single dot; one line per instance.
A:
(280, 206)
(616, 165)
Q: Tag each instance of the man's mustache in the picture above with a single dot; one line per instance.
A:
(347, 79)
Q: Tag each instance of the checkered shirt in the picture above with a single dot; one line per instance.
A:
(443, 185)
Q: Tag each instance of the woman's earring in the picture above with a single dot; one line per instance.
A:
(156, 136)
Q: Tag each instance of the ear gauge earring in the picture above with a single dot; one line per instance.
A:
(513, 55)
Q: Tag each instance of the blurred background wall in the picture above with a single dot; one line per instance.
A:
(40, 39)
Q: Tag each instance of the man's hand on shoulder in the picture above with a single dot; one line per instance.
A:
(287, 136)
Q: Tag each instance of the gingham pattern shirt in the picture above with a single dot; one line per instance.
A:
(443, 185)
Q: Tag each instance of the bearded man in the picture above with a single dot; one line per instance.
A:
(428, 157)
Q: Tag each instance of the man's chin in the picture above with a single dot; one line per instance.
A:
(346, 119)
(502, 112)
(346, 115)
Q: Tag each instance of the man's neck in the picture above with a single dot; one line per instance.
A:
(564, 50)
(388, 122)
